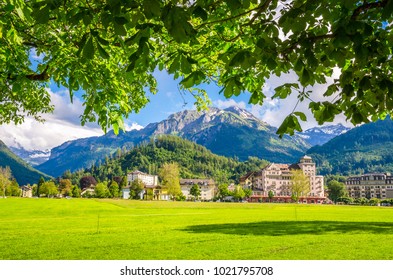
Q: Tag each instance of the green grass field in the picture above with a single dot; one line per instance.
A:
(140, 230)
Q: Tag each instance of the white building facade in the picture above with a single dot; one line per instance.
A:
(207, 187)
(150, 181)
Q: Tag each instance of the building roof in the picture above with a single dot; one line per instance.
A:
(196, 181)
(294, 166)
(137, 172)
(248, 175)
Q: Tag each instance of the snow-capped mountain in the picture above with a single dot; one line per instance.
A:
(35, 157)
(322, 134)
(232, 132)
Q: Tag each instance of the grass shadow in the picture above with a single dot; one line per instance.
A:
(282, 228)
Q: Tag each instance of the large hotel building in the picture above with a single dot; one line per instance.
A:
(374, 185)
(277, 178)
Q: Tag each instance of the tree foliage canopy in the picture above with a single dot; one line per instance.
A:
(336, 190)
(110, 49)
(170, 178)
(300, 184)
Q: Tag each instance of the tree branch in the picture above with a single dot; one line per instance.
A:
(367, 6)
(233, 17)
(33, 77)
(261, 9)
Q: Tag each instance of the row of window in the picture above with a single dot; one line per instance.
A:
(372, 187)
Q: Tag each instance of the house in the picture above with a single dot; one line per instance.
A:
(27, 191)
(372, 185)
(88, 192)
(155, 193)
(151, 190)
(246, 180)
(276, 178)
(207, 187)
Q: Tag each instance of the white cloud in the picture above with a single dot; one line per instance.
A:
(133, 126)
(273, 111)
(62, 125)
(223, 104)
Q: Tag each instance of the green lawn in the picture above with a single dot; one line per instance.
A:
(119, 229)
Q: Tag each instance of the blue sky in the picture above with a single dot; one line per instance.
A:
(64, 124)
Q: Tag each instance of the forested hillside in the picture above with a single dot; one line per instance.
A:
(195, 161)
(366, 148)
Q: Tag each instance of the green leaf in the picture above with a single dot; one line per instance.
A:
(200, 12)
(301, 115)
(9, 8)
(195, 78)
(121, 20)
(349, 4)
(288, 126)
(102, 41)
(234, 4)
(87, 18)
(88, 50)
(242, 58)
(185, 65)
(119, 29)
(324, 112)
(152, 8)
(284, 91)
(305, 77)
(41, 15)
(388, 10)
(257, 97)
(102, 51)
(82, 43)
(16, 87)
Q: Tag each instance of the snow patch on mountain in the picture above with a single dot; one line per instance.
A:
(321, 135)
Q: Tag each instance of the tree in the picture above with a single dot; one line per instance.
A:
(114, 189)
(40, 183)
(76, 191)
(87, 182)
(5, 179)
(65, 187)
(136, 187)
(270, 195)
(195, 191)
(336, 190)
(238, 193)
(300, 184)
(170, 178)
(222, 191)
(101, 190)
(247, 192)
(13, 189)
(374, 201)
(48, 189)
(110, 49)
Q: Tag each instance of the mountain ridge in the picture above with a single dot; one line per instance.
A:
(363, 149)
(232, 132)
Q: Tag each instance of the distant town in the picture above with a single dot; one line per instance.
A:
(275, 183)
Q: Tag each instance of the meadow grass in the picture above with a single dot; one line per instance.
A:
(152, 230)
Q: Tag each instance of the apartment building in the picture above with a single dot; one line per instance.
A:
(147, 179)
(276, 177)
(207, 187)
(373, 185)
(150, 182)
